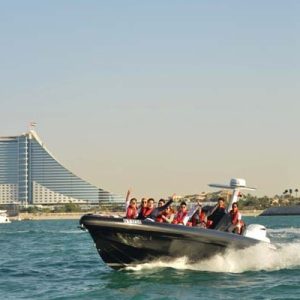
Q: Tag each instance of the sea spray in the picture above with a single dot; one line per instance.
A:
(256, 258)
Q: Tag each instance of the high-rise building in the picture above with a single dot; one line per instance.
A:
(30, 174)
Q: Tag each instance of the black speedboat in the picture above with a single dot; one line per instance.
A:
(122, 242)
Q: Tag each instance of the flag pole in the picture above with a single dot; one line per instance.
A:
(32, 125)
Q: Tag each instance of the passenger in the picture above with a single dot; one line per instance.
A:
(192, 214)
(199, 219)
(132, 211)
(161, 202)
(152, 212)
(217, 213)
(168, 215)
(131, 206)
(181, 214)
(142, 208)
(159, 218)
(236, 220)
(146, 211)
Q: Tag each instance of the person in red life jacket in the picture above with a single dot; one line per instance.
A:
(199, 218)
(142, 208)
(146, 211)
(181, 214)
(159, 218)
(132, 210)
(131, 206)
(168, 215)
(217, 214)
(236, 220)
(151, 212)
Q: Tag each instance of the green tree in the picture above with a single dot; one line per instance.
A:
(71, 207)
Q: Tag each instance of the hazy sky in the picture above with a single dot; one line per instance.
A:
(160, 96)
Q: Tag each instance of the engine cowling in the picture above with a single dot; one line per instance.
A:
(258, 232)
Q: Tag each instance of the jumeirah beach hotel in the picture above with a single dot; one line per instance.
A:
(30, 174)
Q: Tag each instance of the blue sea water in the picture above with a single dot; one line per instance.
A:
(56, 260)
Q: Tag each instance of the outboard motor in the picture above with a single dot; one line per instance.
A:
(258, 232)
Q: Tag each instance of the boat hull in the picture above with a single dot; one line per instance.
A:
(122, 242)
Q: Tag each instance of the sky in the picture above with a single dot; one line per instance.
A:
(158, 96)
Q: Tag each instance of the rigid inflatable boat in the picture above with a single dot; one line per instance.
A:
(125, 242)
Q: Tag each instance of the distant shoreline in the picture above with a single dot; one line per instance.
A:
(77, 215)
(57, 216)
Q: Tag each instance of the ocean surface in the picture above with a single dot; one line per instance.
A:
(56, 260)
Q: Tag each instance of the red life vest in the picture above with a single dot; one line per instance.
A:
(143, 210)
(236, 220)
(159, 218)
(167, 216)
(147, 211)
(179, 217)
(131, 212)
(201, 220)
(234, 217)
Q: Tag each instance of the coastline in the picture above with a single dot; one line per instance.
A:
(56, 216)
(77, 215)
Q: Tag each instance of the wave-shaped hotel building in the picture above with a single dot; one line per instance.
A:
(30, 174)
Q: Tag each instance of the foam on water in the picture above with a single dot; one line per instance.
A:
(257, 258)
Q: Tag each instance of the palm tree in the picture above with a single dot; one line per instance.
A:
(296, 191)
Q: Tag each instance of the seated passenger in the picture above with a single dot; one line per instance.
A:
(157, 210)
(146, 211)
(236, 220)
(168, 215)
(132, 211)
(159, 218)
(181, 214)
(152, 212)
(217, 213)
(142, 208)
(199, 219)
(131, 207)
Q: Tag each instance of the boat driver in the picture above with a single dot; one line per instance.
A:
(217, 214)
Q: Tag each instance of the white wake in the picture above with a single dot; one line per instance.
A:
(257, 258)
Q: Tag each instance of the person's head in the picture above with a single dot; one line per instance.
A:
(150, 203)
(234, 206)
(161, 202)
(183, 206)
(143, 202)
(221, 202)
(133, 202)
